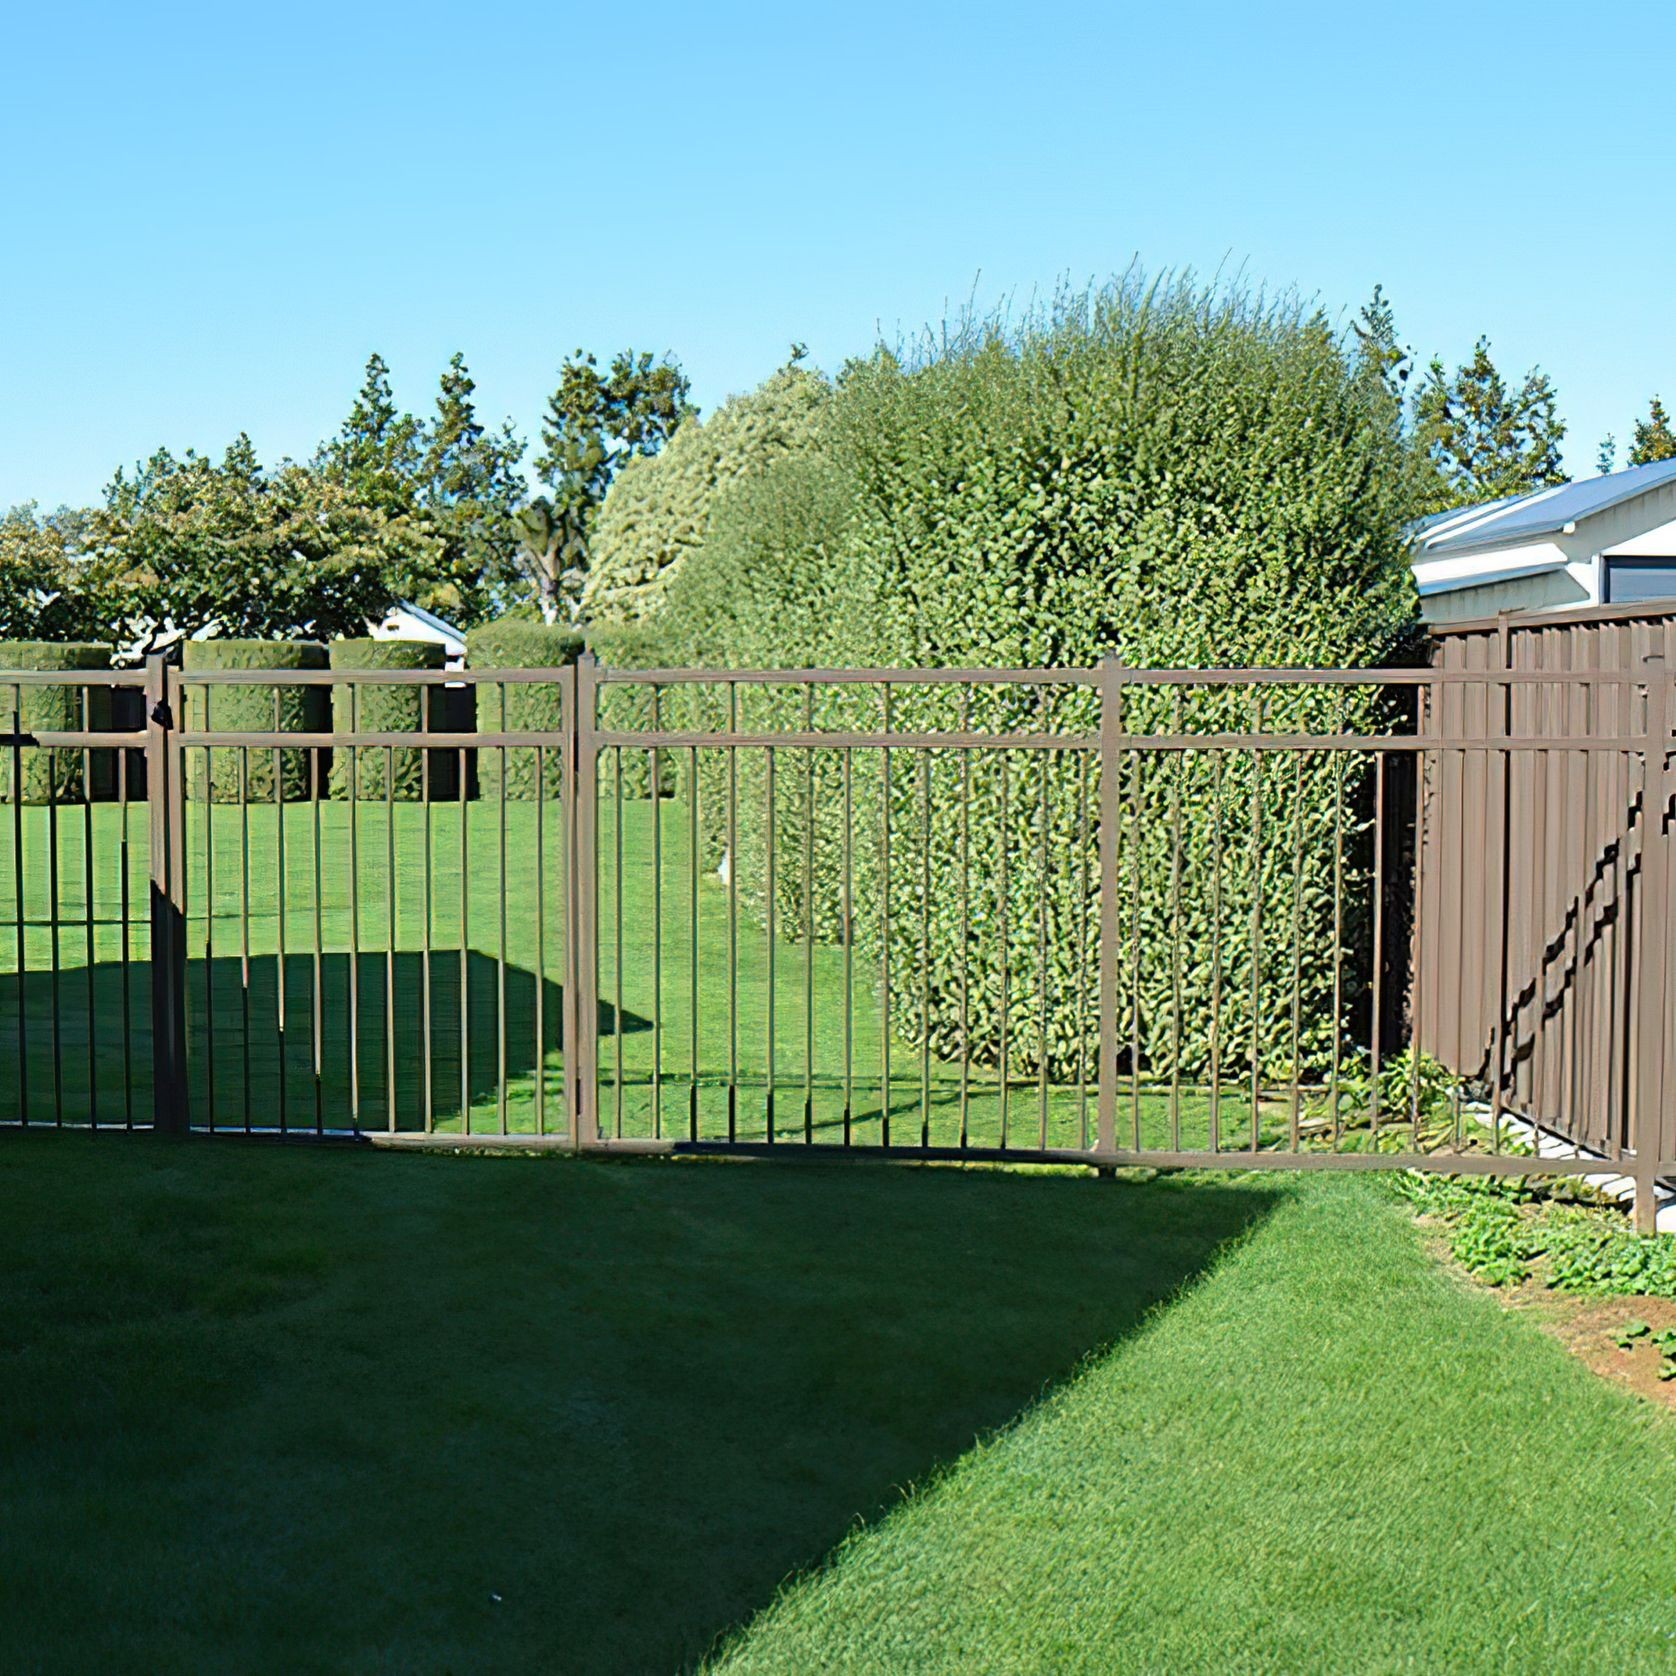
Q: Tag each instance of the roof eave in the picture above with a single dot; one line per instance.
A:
(1487, 579)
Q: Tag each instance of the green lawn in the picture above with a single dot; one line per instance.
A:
(325, 1409)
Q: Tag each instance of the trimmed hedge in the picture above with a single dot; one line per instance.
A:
(510, 707)
(372, 707)
(241, 708)
(56, 775)
(1193, 479)
(636, 646)
(658, 511)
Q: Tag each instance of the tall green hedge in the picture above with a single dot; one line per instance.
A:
(373, 707)
(55, 775)
(519, 706)
(1190, 479)
(657, 513)
(238, 708)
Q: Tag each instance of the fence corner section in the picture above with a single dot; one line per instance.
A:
(168, 904)
(1111, 744)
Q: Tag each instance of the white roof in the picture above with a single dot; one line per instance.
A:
(405, 620)
(1521, 518)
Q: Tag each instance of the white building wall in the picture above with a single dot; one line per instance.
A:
(1551, 591)
(402, 622)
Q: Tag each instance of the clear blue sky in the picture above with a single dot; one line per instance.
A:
(213, 215)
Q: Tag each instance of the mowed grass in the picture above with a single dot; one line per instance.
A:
(1330, 1455)
(335, 1409)
(422, 952)
(325, 1409)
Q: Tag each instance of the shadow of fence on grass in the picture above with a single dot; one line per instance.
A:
(691, 1382)
(940, 1307)
(80, 1044)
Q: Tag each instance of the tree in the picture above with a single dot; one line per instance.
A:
(470, 486)
(1382, 367)
(191, 544)
(1485, 441)
(48, 591)
(658, 513)
(595, 423)
(1653, 439)
(1379, 358)
(1606, 460)
(376, 454)
(452, 483)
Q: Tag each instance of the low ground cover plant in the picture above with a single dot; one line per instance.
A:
(1663, 1341)
(1508, 1232)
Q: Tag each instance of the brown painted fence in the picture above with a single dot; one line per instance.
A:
(1112, 917)
(1556, 839)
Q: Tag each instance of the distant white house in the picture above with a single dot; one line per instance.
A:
(1604, 541)
(407, 621)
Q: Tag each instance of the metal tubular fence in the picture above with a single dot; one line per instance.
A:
(1234, 918)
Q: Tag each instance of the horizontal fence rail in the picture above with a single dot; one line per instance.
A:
(1333, 919)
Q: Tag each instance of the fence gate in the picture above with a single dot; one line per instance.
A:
(1104, 916)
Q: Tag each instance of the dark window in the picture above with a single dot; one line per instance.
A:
(1629, 580)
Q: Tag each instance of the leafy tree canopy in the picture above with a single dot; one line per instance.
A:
(1485, 439)
(1466, 437)
(45, 592)
(470, 489)
(431, 509)
(193, 543)
(453, 480)
(595, 423)
(1653, 439)
(377, 452)
(1379, 359)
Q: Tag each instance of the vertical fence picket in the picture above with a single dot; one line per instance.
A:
(1111, 738)
(581, 806)
(168, 904)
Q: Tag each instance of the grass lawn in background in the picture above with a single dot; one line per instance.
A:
(328, 1409)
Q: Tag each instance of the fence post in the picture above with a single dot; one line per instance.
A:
(582, 866)
(168, 906)
(1111, 739)
(1652, 952)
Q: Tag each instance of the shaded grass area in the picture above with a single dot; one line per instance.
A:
(1329, 1456)
(335, 1409)
(329, 1409)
